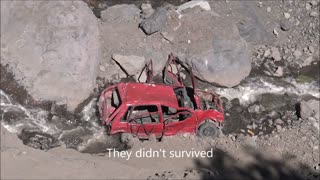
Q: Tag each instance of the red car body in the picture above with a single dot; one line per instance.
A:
(145, 109)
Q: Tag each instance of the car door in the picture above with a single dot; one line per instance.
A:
(181, 121)
(171, 73)
(144, 121)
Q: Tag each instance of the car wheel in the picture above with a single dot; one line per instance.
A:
(208, 129)
(127, 139)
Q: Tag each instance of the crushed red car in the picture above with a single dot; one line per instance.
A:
(150, 109)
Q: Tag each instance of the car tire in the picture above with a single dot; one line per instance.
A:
(208, 129)
(127, 139)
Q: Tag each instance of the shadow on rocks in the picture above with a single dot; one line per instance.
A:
(223, 166)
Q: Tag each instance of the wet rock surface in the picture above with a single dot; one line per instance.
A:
(44, 48)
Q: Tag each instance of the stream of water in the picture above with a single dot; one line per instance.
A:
(36, 129)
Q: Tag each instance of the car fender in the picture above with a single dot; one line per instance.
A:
(210, 115)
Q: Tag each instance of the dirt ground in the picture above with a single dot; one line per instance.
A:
(277, 154)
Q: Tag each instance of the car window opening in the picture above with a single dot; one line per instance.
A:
(172, 115)
(144, 114)
(113, 102)
(185, 97)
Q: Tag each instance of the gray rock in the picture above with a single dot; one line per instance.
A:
(279, 72)
(287, 15)
(275, 32)
(278, 121)
(272, 101)
(279, 128)
(269, 9)
(102, 68)
(191, 4)
(121, 13)
(275, 54)
(311, 49)
(233, 138)
(285, 25)
(308, 6)
(309, 108)
(267, 53)
(305, 110)
(52, 48)
(251, 27)
(270, 122)
(274, 114)
(155, 21)
(314, 3)
(131, 64)
(313, 14)
(254, 126)
(146, 9)
(217, 53)
(307, 61)
(297, 54)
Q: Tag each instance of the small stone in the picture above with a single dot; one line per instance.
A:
(278, 127)
(274, 114)
(304, 138)
(286, 15)
(249, 126)
(314, 3)
(311, 49)
(315, 147)
(313, 14)
(307, 61)
(308, 6)
(185, 135)
(279, 72)
(285, 25)
(254, 126)
(233, 138)
(267, 53)
(275, 54)
(297, 54)
(102, 68)
(270, 122)
(275, 32)
(269, 9)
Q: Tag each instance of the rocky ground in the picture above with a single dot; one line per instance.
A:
(262, 57)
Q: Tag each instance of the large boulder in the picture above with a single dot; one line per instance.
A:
(132, 65)
(211, 45)
(155, 21)
(52, 48)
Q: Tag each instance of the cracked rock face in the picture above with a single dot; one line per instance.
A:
(52, 48)
(216, 51)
